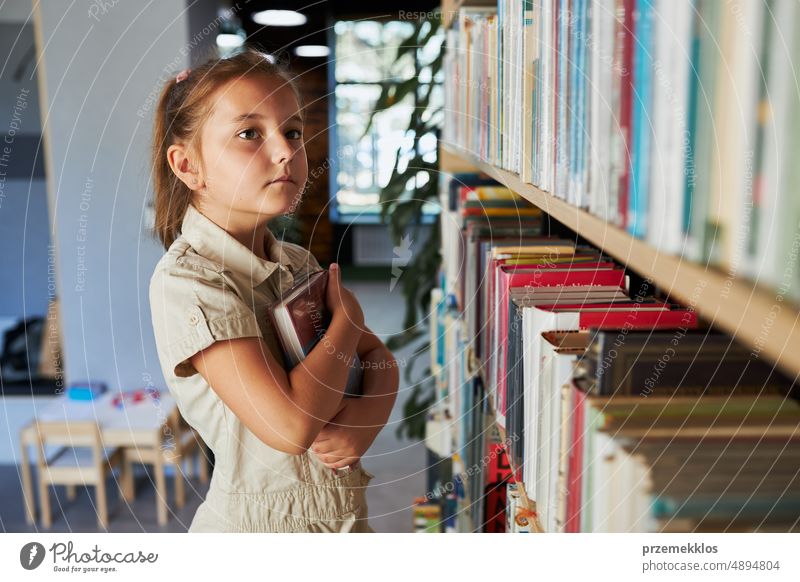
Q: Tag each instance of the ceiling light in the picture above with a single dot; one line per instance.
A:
(279, 18)
(229, 40)
(312, 50)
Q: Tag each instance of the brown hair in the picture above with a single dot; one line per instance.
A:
(182, 109)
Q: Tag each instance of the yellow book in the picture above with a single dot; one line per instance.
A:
(492, 193)
(510, 211)
(534, 250)
(537, 260)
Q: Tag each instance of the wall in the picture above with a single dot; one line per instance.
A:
(24, 232)
(101, 68)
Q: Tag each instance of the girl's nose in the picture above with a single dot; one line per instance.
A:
(281, 150)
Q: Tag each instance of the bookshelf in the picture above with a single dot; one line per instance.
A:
(739, 307)
(453, 160)
(760, 315)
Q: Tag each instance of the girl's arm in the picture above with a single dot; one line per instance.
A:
(286, 410)
(381, 376)
(352, 431)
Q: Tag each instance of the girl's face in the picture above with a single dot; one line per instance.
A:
(252, 148)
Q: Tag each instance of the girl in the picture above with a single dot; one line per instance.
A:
(228, 156)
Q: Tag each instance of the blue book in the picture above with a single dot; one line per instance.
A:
(641, 130)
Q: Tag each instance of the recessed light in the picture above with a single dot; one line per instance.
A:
(229, 40)
(312, 50)
(279, 18)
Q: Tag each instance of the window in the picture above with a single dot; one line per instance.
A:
(362, 164)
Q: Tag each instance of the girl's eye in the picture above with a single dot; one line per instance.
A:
(294, 134)
(248, 131)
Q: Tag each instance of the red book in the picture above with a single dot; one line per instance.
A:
(625, 45)
(575, 463)
(627, 316)
(497, 476)
(487, 332)
(587, 275)
(300, 318)
(484, 283)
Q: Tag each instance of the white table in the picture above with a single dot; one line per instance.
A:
(136, 425)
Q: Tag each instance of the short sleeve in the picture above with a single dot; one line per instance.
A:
(191, 309)
(313, 265)
(301, 260)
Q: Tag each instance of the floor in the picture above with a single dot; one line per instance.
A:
(398, 466)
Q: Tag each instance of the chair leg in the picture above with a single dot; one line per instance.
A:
(27, 484)
(192, 467)
(102, 503)
(128, 489)
(202, 461)
(44, 501)
(161, 491)
(71, 492)
(180, 488)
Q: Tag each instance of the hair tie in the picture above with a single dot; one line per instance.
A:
(182, 75)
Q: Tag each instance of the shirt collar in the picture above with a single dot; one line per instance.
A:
(215, 243)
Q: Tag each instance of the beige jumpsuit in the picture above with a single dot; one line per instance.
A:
(210, 287)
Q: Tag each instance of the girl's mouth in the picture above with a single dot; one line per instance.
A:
(279, 179)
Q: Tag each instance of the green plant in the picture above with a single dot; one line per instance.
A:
(402, 206)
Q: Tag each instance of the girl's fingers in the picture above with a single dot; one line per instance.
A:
(334, 458)
(337, 463)
(329, 461)
(344, 463)
(327, 455)
(320, 449)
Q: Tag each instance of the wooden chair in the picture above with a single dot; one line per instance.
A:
(80, 459)
(183, 444)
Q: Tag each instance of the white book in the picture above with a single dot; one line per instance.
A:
(555, 373)
(563, 458)
(737, 182)
(782, 82)
(681, 15)
(529, 57)
(561, 62)
(668, 106)
(600, 491)
(546, 52)
(535, 321)
(587, 469)
(600, 110)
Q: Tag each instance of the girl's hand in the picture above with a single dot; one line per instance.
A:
(339, 299)
(342, 441)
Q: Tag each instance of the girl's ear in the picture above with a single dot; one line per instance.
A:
(183, 168)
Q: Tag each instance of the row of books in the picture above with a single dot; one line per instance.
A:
(461, 422)
(678, 121)
(617, 412)
(654, 430)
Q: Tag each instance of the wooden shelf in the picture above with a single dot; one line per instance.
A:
(758, 317)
